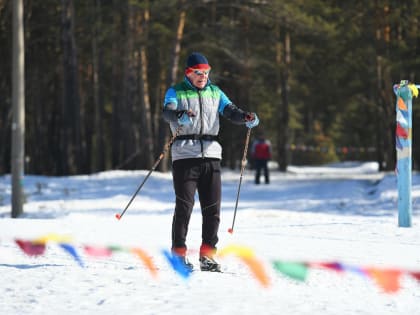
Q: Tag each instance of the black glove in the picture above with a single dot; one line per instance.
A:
(188, 113)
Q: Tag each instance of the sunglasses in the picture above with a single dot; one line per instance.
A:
(201, 72)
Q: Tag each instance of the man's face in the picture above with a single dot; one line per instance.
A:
(199, 78)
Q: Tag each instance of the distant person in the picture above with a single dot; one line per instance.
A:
(261, 153)
(192, 108)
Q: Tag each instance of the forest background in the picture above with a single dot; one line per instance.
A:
(319, 73)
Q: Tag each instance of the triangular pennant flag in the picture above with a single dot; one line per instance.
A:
(295, 270)
(147, 260)
(387, 279)
(53, 238)
(72, 251)
(246, 254)
(176, 263)
(416, 275)
(414, 90)
(355, 269)
(97, 251)
(401, 132)
(257, 270)
(401, 119)
(237, 250)
(30, 248)
(116, 248)
(401, 105)
(398, 143)
(336, 266)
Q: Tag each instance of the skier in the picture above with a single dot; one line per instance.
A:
(194, 105)
(261, 153)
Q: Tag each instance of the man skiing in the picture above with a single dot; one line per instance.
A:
(192, 108)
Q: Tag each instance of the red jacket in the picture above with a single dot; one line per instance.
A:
(261, 149)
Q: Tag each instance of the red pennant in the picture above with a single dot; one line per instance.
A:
(31, 249)
(333, 266)
(401, 132)
(97, 251)
(415, 275)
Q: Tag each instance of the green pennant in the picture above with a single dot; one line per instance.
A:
(297, 271)
(116, 248)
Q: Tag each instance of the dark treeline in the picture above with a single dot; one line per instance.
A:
(318, 72)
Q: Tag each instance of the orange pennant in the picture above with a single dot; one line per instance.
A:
(248, 257)
(147, 260)
(257, 269)
(387, 279)
(401, 105)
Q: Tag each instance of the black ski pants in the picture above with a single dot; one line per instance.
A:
(261, 165)
(203, 176)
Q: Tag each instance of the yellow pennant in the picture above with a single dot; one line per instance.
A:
(413, 89)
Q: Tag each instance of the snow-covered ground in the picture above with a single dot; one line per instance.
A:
(344, 213)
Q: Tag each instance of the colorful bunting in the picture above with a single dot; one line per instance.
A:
(387, 279)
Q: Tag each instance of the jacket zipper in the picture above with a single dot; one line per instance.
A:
(201, 122)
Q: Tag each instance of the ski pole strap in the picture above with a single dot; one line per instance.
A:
(198, 137)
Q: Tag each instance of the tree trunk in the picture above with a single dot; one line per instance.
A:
(116, 83)
(385, 125)
(18, 104)
(72, 154)
(283, 62)
(128, 111)
(172, 78)
(147, 144)
(98, 147)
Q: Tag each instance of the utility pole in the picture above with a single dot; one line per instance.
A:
(18, 103)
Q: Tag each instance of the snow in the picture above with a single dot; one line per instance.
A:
(344, 212)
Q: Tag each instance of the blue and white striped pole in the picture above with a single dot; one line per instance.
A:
(403, 141)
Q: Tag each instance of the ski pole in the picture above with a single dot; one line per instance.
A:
(165, 150)
(243, 163)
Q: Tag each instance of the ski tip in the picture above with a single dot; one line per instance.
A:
(118, 216)
(230, 230)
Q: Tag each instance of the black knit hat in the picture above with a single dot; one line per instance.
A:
(197, 61)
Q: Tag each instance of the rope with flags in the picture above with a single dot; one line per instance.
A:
(388, 279)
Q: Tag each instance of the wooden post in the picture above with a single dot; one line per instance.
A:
(403, 142)
(18, 103)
